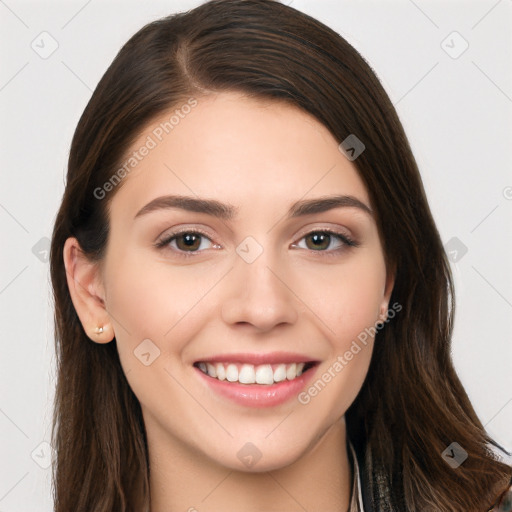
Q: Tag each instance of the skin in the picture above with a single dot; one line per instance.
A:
(260, 157)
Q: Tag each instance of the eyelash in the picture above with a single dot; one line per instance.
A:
(347, 241)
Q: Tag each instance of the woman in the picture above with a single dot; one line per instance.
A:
(253, 305)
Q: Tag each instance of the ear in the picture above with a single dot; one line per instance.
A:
(87, 292)
(388, 289)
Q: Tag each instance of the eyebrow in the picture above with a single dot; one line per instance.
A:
(226, 211)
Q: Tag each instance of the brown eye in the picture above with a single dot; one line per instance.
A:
(188, 241)
(319, 241)
(326, 241)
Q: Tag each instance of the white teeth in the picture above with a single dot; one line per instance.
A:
(221, 371)
(232, 373)
(280, 373)
(291, 371)
(211, 370)
(246, 375)
(250, 374)
(264, 374)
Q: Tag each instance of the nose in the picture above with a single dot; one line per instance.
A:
(259, 295)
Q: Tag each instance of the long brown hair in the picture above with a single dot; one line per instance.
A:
(412, 404)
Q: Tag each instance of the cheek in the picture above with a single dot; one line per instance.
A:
(351, 309)
(152, 300)
(135, 299)
(147, 302)
(144, 296)
(346, 298)
(358, 310)
(142, 307)
(349, 306)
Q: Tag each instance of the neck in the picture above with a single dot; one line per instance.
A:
(182, 480)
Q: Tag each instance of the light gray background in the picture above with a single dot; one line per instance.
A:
(457, 113)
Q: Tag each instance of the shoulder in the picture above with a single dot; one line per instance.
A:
(504, 501)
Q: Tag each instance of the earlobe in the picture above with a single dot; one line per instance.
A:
(87, 293)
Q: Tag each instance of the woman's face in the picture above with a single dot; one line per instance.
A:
(248, 288)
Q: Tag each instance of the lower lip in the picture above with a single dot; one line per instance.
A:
(259, 395)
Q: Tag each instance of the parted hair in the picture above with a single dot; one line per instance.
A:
(412, 404)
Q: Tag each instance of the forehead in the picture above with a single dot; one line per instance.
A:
(253, 153)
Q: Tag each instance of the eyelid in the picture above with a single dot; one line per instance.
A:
(346, 239)
(340, 230)
(302, 232)
(172, 233)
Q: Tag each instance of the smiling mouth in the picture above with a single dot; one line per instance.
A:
(265, 374)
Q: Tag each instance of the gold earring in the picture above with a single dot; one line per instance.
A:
(99, 330)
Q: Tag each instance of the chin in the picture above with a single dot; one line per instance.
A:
(258, 457)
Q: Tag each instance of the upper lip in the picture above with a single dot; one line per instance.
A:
(258, 358)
